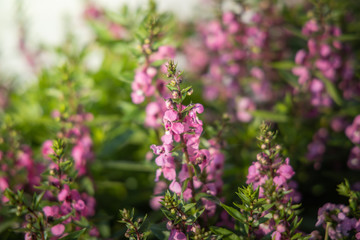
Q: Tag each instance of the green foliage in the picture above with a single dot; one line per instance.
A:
(136, 230)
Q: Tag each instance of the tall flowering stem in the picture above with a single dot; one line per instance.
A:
(271, 176)
(59, 208)
(192, 171)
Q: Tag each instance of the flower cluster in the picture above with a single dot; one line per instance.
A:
(58, 206)
(272, 175)
(324, 61)
(201, 167)
(16, 160)
(236, 46)
(341, 221)
(78, 135)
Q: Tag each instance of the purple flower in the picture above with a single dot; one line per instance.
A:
(353, 131)
(354, 159)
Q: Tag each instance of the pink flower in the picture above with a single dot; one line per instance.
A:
(276, 235)
(163, 53)
(310, 27)
(177, 235)
(51, 211)
(353, 131)
(3, 184)
(300, 57)
(244, 107)
(354, 159)
(175, 187)
(58, 230)
(46, 149)
(64, 193)
(302, 73)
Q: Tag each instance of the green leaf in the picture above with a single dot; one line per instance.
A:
(63, 218)
(284, 65)
(4, 225)
(348, 37)
(208, 197)
(233, 212)
(185, 184)
(171, 88)
(74, 235)
(38, 199)
(160, 231)
(65, 166)
(188, 108)
(189, 206)
(158, 63)
(227, 234)
(330, 88)
(88, 185)
(195, 216)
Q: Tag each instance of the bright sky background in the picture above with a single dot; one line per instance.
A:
(45, 21)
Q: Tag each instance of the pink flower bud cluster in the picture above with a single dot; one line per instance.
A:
(187, 131)
(324, 56)
(341, 224)
(353, 133)
(12, 164)
(143, 86)
(79, 137)
(175, 130)
(279, 171)
(269, 171)
(235, 48)
(67, 201)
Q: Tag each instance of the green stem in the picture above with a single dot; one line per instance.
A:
(327, 231)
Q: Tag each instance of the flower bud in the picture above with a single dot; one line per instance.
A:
(190, 91)
(263, 146)
(175, 94)
(172, 83)
(169, 103)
